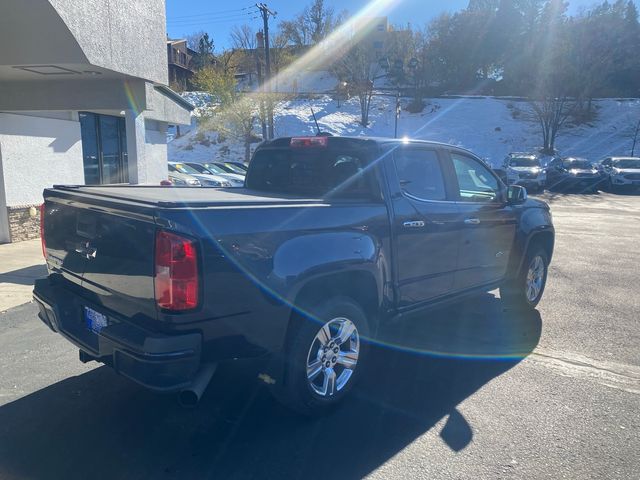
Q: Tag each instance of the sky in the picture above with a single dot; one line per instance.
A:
(218, 18)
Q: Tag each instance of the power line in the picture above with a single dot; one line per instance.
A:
(209, 22)
(209, 17)
(212, 19)
(212, 13)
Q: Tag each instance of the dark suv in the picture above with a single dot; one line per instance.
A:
(573, 173)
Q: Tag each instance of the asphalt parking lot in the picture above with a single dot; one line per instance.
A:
(472, 391)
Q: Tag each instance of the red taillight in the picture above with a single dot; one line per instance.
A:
(176, 277)
(309, 142)
(42, 240)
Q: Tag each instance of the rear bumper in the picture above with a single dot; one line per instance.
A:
(164, 363)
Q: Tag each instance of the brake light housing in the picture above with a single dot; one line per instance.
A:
(176, 278)
(309, 142)
(43, 209)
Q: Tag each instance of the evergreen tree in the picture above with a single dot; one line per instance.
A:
(205, 52)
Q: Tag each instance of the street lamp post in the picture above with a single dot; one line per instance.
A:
(398, 70)
(342, 90)
(413, 65)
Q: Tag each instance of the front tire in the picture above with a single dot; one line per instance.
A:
(525, 291)
(327, 353)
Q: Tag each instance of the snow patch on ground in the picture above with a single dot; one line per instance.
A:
(484, 125)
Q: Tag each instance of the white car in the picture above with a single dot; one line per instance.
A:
(525, 169)
(212, 169)
(621, 172)
(205, 180)
(182, 179)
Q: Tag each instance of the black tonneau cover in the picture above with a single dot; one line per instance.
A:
(180, 197)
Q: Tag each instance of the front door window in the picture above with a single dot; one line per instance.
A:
(104, 149)
(475, 181)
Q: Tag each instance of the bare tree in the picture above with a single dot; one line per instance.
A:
(296, 31)
(359, 69)
(281, 56)
(228, 61)
(243, 37)
(551, 113)
(312, 25)
(193, 39)
(237, 121)
(245, 44)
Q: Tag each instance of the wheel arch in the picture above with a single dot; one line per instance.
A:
(541, 238)
(359, 285)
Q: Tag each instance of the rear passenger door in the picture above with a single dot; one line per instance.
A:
(487, 222)
(425, 225)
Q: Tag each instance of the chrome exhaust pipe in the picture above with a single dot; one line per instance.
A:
(189, 397)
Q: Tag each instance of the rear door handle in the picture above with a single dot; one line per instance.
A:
(413, 224)
(472, 221)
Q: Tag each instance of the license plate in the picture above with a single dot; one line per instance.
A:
(94, 321)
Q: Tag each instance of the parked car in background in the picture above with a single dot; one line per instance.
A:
(573, 173)
(182, 179)
(212, 169)
(230, 168)
(206, 180)
(524, 169)
(237, 166)
(620, 172)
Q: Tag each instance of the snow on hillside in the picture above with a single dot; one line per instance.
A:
(483, 125)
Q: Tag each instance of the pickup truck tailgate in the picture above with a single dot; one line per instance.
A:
(105, 248)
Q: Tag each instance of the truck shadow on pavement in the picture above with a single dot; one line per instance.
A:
(24, 276)
(99, 425)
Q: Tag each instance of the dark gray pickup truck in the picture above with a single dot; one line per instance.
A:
(329, 238)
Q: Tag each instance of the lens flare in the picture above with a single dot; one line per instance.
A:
(131, 98)
(492, 334)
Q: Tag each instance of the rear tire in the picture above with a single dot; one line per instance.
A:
(525, 291)
(326, 355)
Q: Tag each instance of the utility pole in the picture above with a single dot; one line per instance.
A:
(260, 46)
(266, 13)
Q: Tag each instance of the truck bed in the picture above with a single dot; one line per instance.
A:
(180, 197)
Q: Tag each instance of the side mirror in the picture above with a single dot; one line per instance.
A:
(516, 194)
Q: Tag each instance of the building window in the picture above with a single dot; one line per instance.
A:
(104, 149)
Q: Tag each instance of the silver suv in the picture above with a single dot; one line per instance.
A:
(621, 172)
(525, 169)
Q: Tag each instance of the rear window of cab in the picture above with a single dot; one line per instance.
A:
(315, 172)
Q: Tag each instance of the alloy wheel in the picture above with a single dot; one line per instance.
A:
(535, 278)
(333, 357)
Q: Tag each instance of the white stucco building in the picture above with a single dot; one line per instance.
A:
(83, 100)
